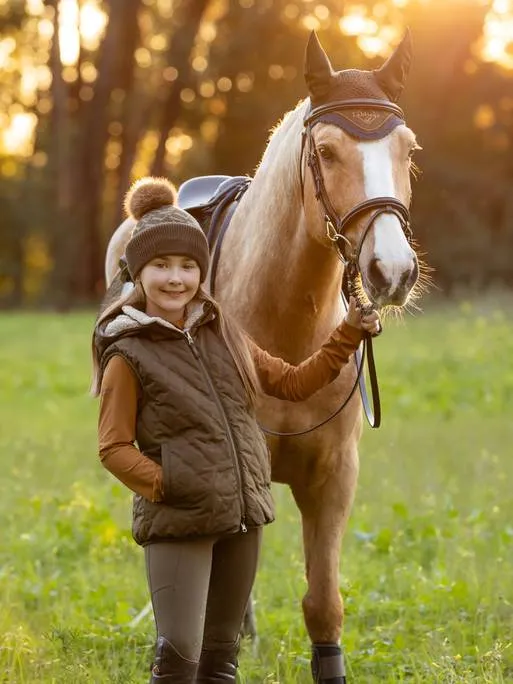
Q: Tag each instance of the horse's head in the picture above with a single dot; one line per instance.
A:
(362, 153)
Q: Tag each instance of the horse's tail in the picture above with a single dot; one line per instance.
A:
(113, 293)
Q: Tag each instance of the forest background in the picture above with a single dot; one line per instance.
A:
(96, 93)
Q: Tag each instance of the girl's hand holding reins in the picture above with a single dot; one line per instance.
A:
(369, 322)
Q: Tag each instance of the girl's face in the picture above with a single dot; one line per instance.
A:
(169, 283)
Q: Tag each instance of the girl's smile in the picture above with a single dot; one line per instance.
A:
(170, 282)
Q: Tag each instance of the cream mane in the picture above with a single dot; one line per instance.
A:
(287, 133)
(277, 178)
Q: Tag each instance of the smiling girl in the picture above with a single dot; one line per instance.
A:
(169, 283)
(177, 381)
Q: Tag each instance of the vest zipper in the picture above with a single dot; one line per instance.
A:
(235, 458)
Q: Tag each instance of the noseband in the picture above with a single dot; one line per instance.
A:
(337, 226)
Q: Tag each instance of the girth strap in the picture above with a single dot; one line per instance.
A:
(230, 202)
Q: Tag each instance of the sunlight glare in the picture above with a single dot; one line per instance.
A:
(7, 46)
(91, 22)
(371, 45)
(311, 23)
(375, 37)
(17, 138)
(357, 24)
(45, 29)
(178, 143)
(372, 38)
(484, 117)
(29, 84)
(69, 41)
(501, 6)
(35, 7)
(497, 43)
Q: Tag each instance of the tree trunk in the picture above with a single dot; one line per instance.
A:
(59, 168)
(187, 24)
(138, 115)
(116, 57)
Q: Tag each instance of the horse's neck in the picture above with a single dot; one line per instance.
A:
(279, 282)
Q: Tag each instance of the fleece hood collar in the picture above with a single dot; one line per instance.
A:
(132, 319)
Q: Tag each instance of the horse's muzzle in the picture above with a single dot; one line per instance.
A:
(386, 288)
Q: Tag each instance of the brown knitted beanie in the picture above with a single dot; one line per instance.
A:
(162, 228)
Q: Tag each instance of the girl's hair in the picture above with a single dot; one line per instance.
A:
(235, 339)
(237, 342)
(136, 298)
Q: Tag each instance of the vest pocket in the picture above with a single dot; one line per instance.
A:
(191, 475)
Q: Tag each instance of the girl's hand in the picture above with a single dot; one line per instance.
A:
(369, 322)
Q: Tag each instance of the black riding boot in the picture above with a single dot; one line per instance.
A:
(218, 666)
(170, 667)
(328, 664)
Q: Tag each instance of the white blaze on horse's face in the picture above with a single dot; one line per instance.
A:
(388, 264)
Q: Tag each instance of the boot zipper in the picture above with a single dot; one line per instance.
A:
(235, 458)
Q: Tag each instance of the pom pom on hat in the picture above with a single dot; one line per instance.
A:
(148, 194)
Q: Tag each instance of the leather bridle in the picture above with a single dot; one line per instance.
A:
(337, 226)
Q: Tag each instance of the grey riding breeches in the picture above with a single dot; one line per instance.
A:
(200, 589)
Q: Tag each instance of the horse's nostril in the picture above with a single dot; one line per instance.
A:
(404, 279)
(378, 278)
(410, 277)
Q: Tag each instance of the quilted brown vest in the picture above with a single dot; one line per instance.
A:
(194, 420)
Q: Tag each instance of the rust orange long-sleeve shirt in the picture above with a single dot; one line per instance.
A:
(120, 392)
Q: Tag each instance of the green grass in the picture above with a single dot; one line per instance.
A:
(427, 563)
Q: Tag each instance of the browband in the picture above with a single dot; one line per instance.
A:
(366, 119)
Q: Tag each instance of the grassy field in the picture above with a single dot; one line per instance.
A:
(427, 567)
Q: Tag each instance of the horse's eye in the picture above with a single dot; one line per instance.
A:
(325, 152)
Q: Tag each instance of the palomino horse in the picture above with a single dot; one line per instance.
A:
(332, 188)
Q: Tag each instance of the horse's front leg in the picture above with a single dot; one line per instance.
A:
(325, 508)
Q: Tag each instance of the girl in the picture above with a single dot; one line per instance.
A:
(178, 378)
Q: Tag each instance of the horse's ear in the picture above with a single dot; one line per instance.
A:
(391, 77)
(318, 69)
